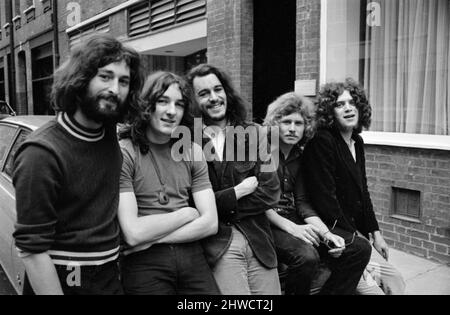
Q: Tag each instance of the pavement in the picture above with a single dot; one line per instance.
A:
(422, 276)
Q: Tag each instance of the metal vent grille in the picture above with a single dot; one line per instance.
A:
(99, 27)
(158, 14)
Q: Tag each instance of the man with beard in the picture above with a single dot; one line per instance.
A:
(67, 175)
(242, 253)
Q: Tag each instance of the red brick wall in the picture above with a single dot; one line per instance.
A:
(230, 41)
(427, 171)
(308, 39)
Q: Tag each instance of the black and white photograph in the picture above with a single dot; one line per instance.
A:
(229, 154)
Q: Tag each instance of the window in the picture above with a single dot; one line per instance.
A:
(46, 5)
(17, 11)
(406, 203)
(9, 166)
(8, 11)
(30, 11)
(6, 136)
(2, 79)
(399, 50)
(42, 78)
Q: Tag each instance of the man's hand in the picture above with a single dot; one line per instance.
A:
(338, 242)
(307, 233)
(380, 245)
(247, 187)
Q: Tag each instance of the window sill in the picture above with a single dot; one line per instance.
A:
(405, 140)
(30, 9)
(30, 14)
(405, 218)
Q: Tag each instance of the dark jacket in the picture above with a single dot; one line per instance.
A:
(247, 214)
(337, 185)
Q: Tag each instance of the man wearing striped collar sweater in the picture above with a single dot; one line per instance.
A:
(67, 175)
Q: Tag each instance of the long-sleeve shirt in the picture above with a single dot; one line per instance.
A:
(67, 190)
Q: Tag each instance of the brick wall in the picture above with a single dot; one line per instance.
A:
(230, 41)
(308, 40)
(427, 171)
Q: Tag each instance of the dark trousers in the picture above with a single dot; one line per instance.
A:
(302, 261)
(88, 280)
(168, 270)
(346, 271)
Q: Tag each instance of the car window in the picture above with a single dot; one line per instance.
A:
(10, 161)
(6, 136)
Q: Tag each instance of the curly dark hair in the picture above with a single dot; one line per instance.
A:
(72, 79)
(328, 96)
(237, 106)
(288, 104)
(138, 121)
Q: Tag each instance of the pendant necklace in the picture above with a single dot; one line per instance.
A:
(163, 198)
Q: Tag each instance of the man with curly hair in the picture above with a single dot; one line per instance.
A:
(335, 170)
(300, 236)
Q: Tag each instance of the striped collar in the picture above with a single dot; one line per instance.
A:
(78, 131)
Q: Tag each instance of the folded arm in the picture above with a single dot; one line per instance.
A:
(203, 226)
(151, 228)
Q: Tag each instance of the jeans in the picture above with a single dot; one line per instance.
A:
(303, 262)
(346, 271)
(385, 279)
(238, 271)
(87, 280)
(179, 269)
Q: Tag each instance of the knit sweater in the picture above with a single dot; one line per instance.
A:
(67, 189)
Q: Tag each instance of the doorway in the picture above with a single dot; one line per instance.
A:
(274, 52)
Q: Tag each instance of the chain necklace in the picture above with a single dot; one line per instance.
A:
(163, 198)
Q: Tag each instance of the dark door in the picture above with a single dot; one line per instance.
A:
(274, 52)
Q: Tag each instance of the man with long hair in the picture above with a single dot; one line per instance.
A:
(242, 254)
(160, 221)
(301, 238)
(335, 169)
(67, 174)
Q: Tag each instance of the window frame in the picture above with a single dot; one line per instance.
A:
(19, 131)
(8, 146)
(432, 142)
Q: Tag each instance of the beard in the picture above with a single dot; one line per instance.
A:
(112, 112)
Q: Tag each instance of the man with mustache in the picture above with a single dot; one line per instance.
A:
(301, 238)
(242, 253)
(67, 174)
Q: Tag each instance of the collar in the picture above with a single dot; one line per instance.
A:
(78, 131)
(296, 152)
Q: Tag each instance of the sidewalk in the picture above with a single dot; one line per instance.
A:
(422, 276)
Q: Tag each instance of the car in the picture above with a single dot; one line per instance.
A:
(13, 131)
(6, 110)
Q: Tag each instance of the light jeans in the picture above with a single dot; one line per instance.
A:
(238, 272)
(380, 278)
